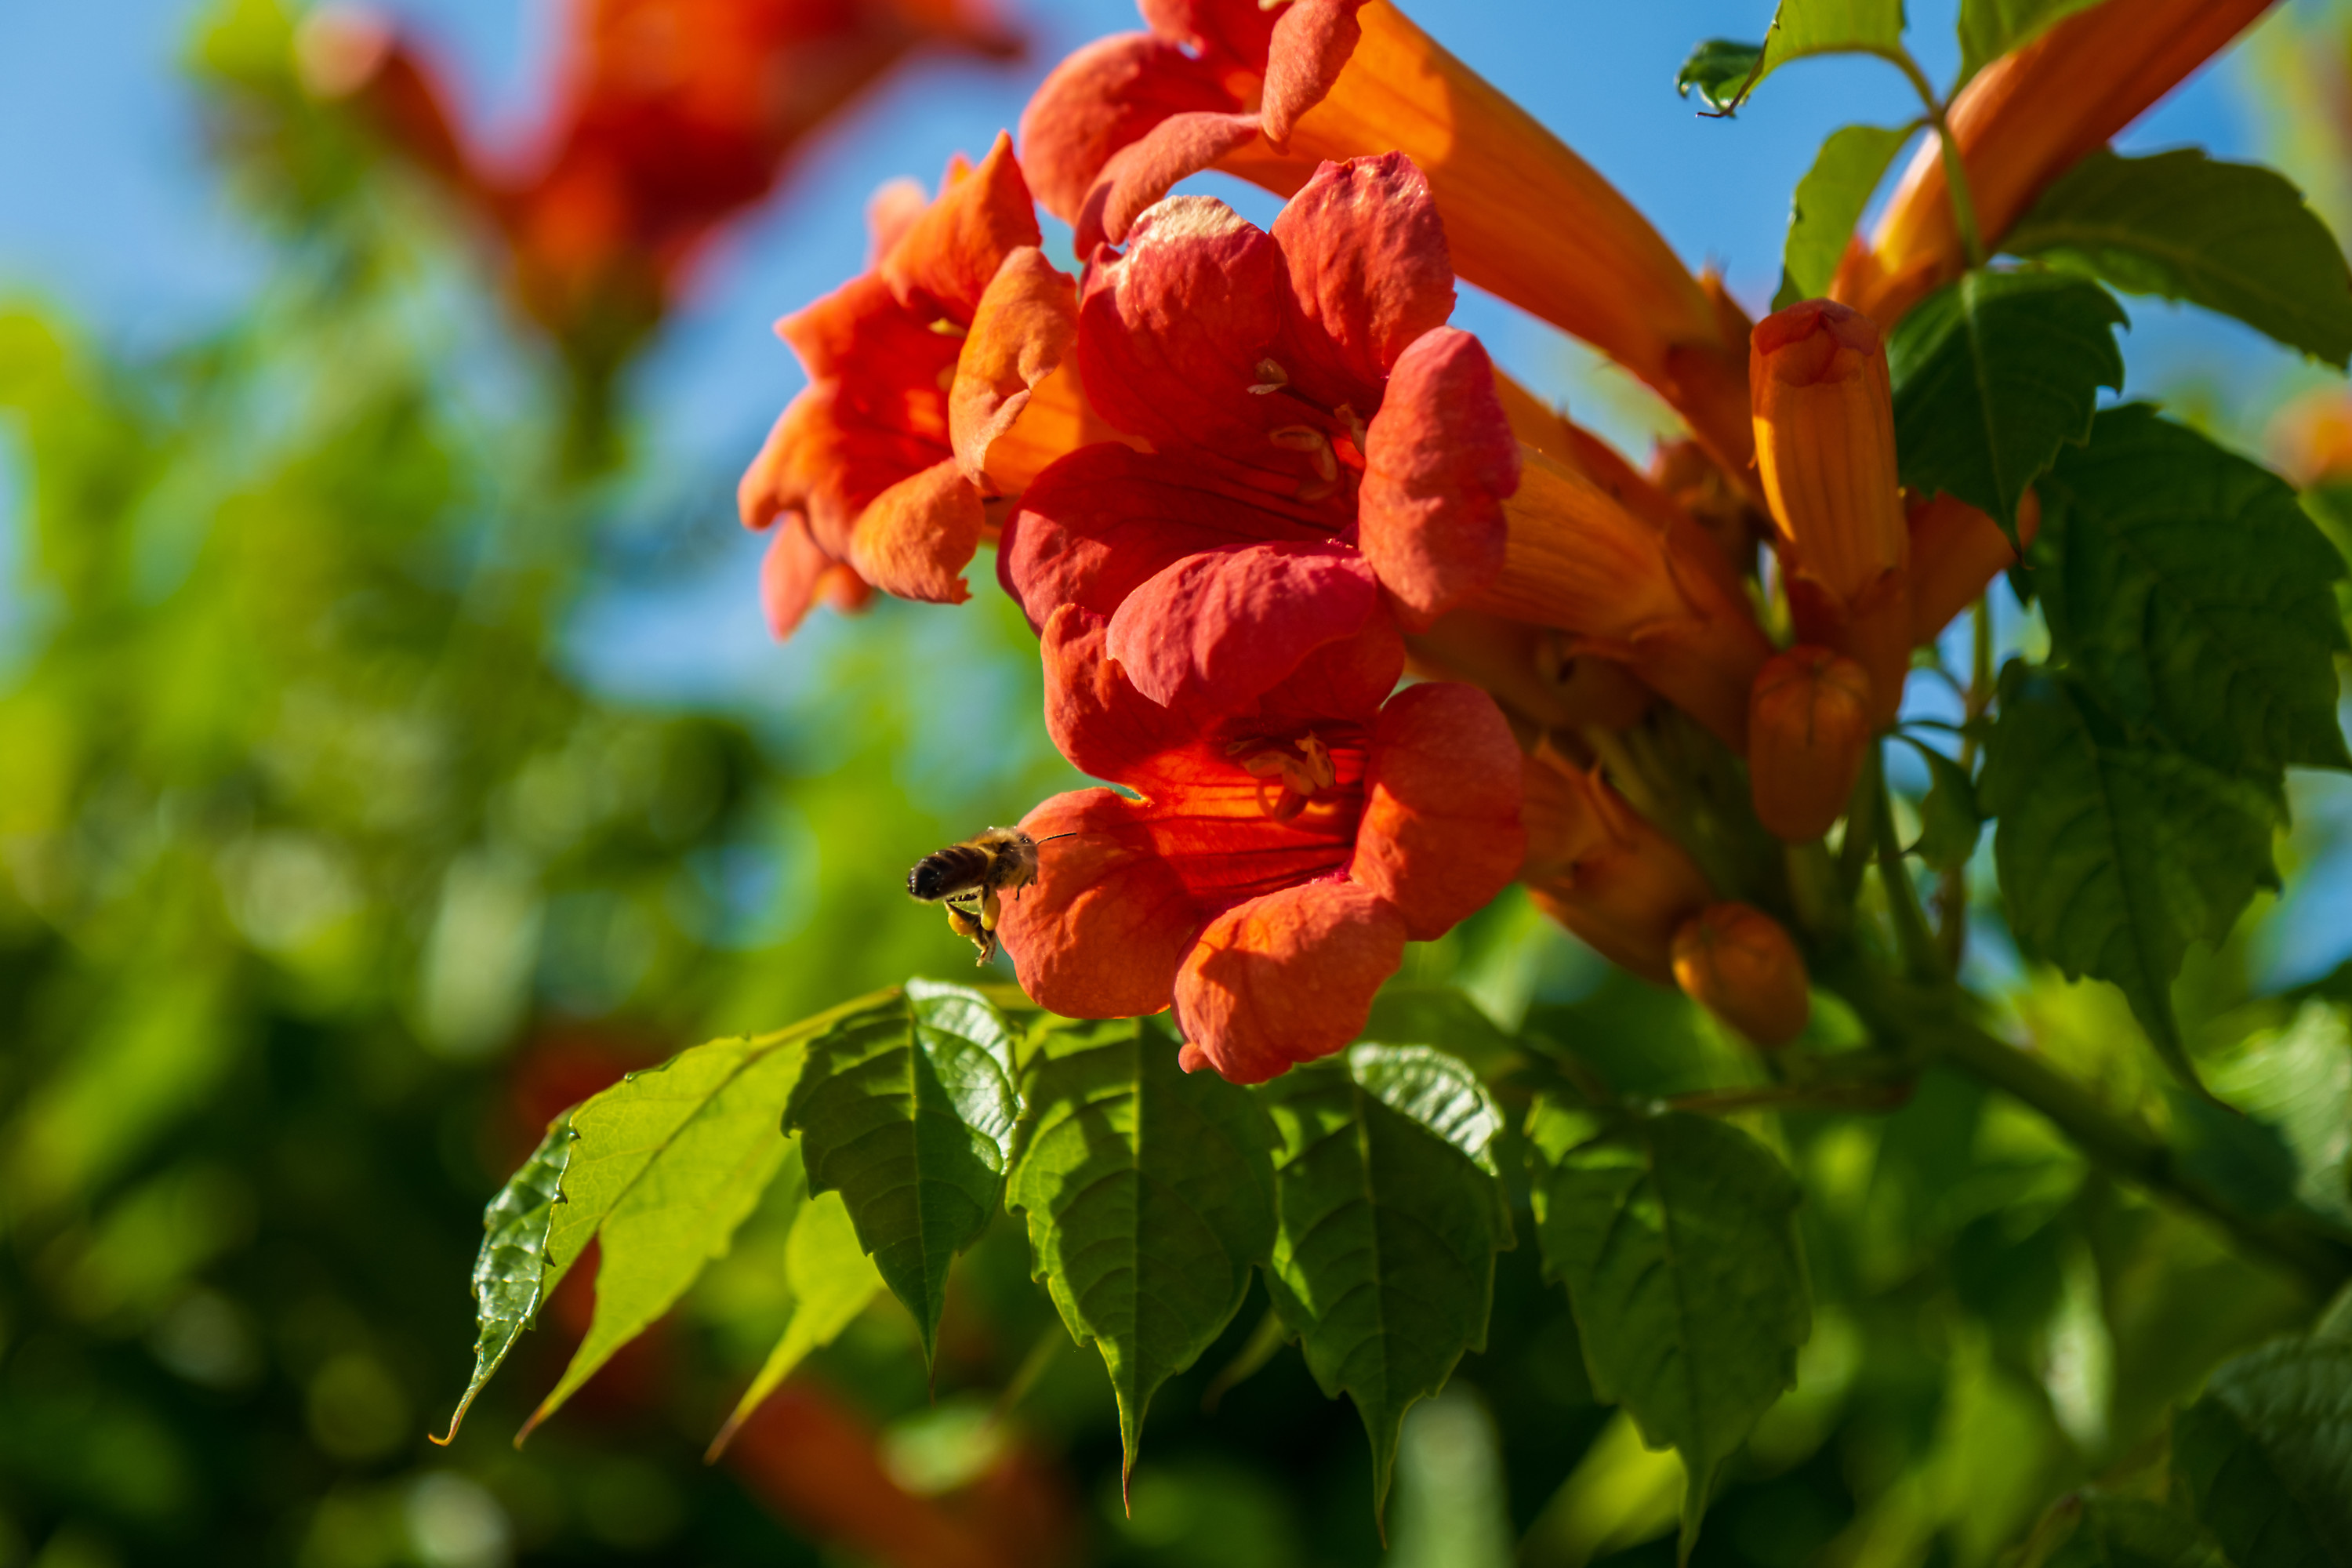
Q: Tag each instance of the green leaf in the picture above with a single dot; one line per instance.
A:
(2298, 1078)
(2233, 238)
(1992, 374)
(1720, 71)
(1800, 28)
(1390, 1213)
(1949, 821)
(832, 1282)
(1991, 29)
(1150, 1195)
(699, 1136)
(1676, 1238)
(2265, 1455)
(1828, 206)
(2188, 588)
(2126, 1533)
(510, 1271)
(907, 1109)
(2115, 853)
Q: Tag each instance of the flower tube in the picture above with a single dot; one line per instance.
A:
(1826, 449)
(1956, 553)
(1596, 866)
(1267, 94)
(2025, 119)
(1807, 732)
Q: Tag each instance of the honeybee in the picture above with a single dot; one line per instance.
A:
(971, 876)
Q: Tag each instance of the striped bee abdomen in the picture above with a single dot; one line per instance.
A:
(951, 871)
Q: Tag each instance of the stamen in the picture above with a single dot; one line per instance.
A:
(1271, 377)
(1307, 438)
(947, 329)
(1354, 422)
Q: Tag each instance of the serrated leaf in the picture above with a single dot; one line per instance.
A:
(1827, 205)
(2188, 588)
(906, 1108)
(1993, 373)
(510, 1271)
(831, 1282)
(1150, 1195)
(701, 1133)
(1389, 1214)
(2129, 1532)
(2234, 237)
(2264, 1455)
(1800, 28)
(1676, 1238)
(1991, 29)
(2115, 853)
(1949, 820)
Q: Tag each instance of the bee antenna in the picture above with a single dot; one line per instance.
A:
(1071, 834)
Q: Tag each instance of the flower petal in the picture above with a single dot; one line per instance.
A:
(792, 574)
(1139, 174)
(1094, 714)
(946, 259)
(1231, 32)
(1441, 835)
(1102, 931)
(1102, 98)
(1219, 628)
(1439, 460)
(1025, 326)
(916, 537)
(1171, 334)
(1104, 520)
(1286, 978)
(1312, 44)
(1368, 273)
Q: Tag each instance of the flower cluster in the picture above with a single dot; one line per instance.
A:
(671, 117)
(1244, 481)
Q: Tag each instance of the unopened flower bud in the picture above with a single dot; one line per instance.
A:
(1956, 553)
(1596, 866)
(1738, 964)
(1807, 729)
(1825, 449)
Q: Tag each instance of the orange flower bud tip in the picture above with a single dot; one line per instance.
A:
(1813, 342)
(1740, 965)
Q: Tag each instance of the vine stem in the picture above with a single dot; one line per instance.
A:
(1922, 958)
(2123, 1145)
(1956, 174)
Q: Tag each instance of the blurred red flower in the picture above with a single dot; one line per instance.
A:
(672, 116)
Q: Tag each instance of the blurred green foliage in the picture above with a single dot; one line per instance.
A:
(325, 878)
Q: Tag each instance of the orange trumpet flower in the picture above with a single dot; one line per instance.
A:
(1826, 446)
(1740, 965)
(2025, 119)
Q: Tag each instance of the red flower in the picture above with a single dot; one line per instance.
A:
(1276, 860)
(935, 383)
(672, 117)
(1322, 444)
(1268, 92)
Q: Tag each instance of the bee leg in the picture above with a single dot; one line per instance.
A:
(965, 924)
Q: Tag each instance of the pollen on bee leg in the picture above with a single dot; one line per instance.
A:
(990, 906)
